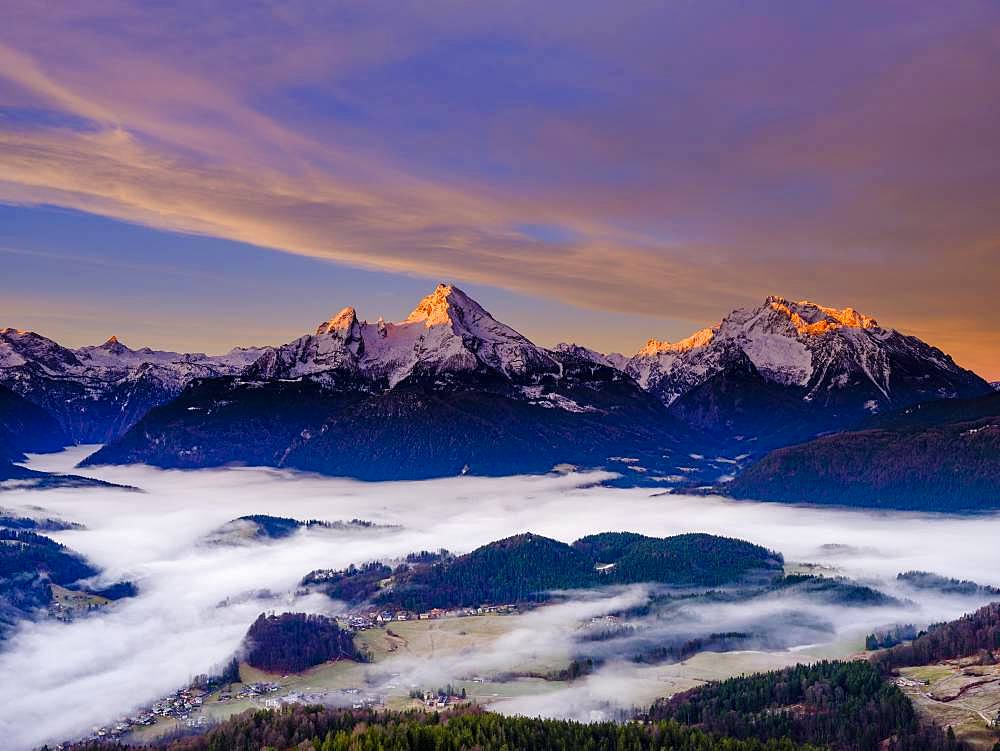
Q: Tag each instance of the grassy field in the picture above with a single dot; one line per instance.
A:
(957, 693)
(414, 654)
(76, 602)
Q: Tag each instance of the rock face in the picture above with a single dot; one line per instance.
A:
(97, 393)
(836, 358)
(448, 390)
(811, 367)
(447, 333)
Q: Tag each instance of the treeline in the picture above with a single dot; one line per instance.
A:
(526, 567)
(941, 459)
(277, 527)
(694, 559)
(836, 589)
(977, 632)
(517, 569)
(841, 705)
(353, 584)
(324, 729)
(890, 637)
(25, 552)
(938, 583)
(292, 642)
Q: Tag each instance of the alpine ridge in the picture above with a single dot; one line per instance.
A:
(96, 393)
(450, 389)
(839, 363)
(446, 391)
(447, 332)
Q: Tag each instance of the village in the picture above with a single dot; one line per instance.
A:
(374, 618)
(186, 707)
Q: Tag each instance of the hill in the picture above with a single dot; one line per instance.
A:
(938, 456)
(528, 567)
(292, 642)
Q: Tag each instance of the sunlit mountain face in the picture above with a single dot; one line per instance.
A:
(483, 376)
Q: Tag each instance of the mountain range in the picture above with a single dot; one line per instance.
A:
(450, 389)
(97, 393)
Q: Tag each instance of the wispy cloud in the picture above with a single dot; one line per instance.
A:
(693, 161)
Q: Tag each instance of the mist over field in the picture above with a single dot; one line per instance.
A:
(197, 599)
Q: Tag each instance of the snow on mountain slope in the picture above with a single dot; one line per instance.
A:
(837, 358)
(448, 332)
(612, 360)
(97, 392)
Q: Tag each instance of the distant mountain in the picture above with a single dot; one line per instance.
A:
(785, 371)
(97, 393)
(937, 456)
(448, 390)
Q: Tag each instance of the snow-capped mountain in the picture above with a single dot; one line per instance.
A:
(98, 392)
(447, 390)
(447, 333)
(450, 387)
(838, 359)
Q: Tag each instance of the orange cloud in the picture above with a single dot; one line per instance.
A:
(845, 207)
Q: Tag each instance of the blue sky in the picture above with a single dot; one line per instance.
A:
(592, 171)
(81, 278)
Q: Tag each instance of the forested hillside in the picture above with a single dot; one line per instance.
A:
(939, 456)
(528, 567)
(970, 634)
(322, 729)
(292, 642)
(845, 706)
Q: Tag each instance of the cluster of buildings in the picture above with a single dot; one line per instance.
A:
(375, 618)
(179, 705)
(250, 691)
(184, 706)
(442, 699)
(348, 697)
(66, 604)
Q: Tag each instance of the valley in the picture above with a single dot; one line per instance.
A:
(521, 659)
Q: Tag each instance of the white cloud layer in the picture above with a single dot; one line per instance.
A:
(197, 600)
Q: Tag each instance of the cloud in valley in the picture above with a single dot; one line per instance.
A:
(196, 600)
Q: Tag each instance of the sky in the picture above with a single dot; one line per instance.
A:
(198, 176)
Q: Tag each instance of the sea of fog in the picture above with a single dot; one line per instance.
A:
(196, 600)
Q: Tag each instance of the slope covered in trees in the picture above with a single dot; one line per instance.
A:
(292, 642)
(844, 706)
(527, 567)
(28, 563)
(964, 637)
(323, 729)
(941, 456)
(25, 426)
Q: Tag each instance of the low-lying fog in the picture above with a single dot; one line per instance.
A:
(197, 600)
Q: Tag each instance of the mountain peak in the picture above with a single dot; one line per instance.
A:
(341, 323)
(698, 339)
(811, 318)
(438, 307)
(114, 346)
